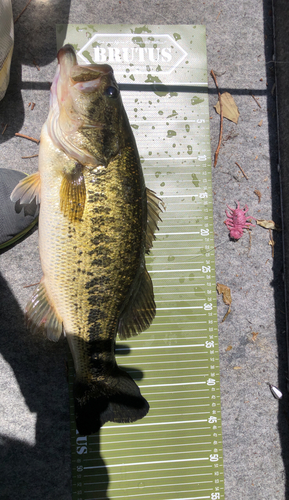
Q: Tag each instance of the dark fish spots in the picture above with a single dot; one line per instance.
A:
(97, 281)
(103, 262)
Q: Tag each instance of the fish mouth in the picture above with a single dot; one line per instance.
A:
(71, 78)
(71, 85)
(84, 78)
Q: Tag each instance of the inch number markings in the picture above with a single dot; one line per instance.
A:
(175, 452)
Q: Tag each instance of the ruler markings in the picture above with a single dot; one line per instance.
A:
(166, 469)
(175, 384)
(158, 439)
(149, 463)
(161, 477)
(157, 423)
(205, 451)
(161, 347)
(168, 354)
(159, 339)
(161, 485)
(161, 493)
(180, 375)
(170, 361)
(173, 369)
(166, 445)
(159, 431)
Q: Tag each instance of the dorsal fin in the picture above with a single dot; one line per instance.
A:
(154, 207)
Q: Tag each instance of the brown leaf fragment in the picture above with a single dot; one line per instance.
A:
(226, 315)
(268, 224)
(36, 65)
(226, 292)
(31, 156)
(260, 123)
(230, 109)
(4, 129)
(221, 119)
(229, 348)
(246, 177)
(32, 284)
(256, 100)
(227, 299)
(254, 336)
(258, 193)
(271, 242)
(23, 10)
(27, 137)
(237, 367)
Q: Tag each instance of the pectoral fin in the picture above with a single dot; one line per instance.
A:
(154, 207)
(73, 194)
(140, 311)
(27, 189)
(41, 315)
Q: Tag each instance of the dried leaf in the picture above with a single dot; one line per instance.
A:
(230, 109)
(268, 224)
(229, 348)
(227, 299)
(225, 290)
(256, 100)
(254, 336)
(260, 123)
(258, 193)
(237, 367)
(271, 242)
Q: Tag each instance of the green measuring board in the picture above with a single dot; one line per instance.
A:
(175, 452)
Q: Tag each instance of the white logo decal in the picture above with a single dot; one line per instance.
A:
(143, 53)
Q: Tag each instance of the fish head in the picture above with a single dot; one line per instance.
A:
(86, 100)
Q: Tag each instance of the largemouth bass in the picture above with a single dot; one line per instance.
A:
(97, 219)
(6, 44)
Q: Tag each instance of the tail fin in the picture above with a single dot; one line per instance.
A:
(117, 399)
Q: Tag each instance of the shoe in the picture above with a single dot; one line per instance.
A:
(15, 219)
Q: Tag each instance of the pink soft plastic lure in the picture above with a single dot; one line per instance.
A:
(237, 221)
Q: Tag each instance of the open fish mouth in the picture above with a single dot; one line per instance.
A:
(74, 91)
(84, 78)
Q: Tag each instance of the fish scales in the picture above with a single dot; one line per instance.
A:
(96, 221)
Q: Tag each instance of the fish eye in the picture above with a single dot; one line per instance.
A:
(111, 92)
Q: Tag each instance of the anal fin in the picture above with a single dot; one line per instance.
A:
(41, 315)
(73, 193)
(27, 189)
(140, 310)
